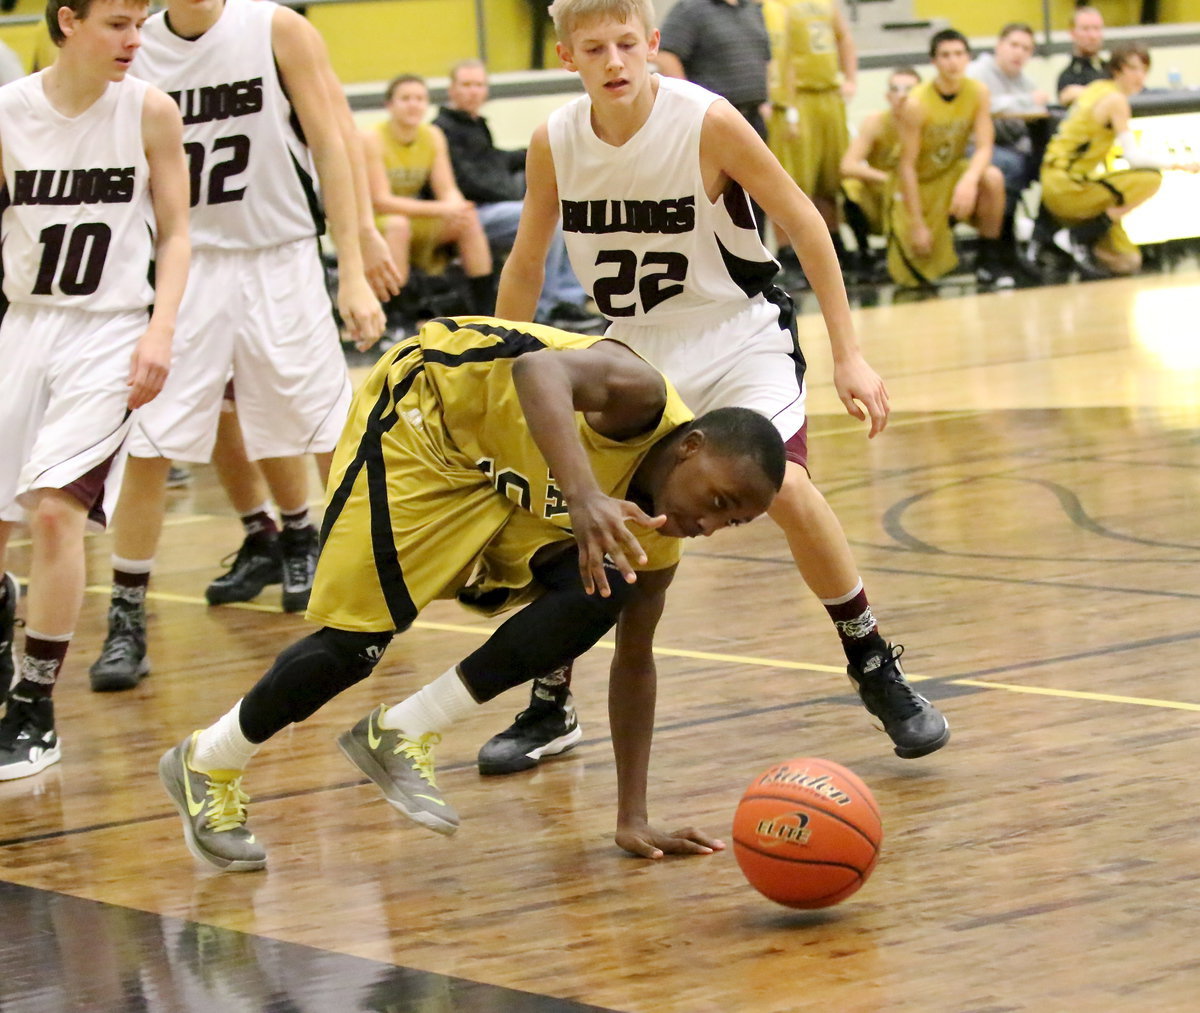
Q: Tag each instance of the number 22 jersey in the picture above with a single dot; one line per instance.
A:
(641, 233)
(77, 226)
(252, 176)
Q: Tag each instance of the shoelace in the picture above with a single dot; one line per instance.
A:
(227, 809)
(420, 753)
(900, 694)
(297, 570)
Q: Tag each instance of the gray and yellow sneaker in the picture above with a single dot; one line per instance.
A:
(212, 805)
(402, 767)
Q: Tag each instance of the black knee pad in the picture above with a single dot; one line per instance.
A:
(562, 624)
(308, 675)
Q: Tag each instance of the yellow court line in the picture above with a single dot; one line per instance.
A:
(899, 423)
(733, 659)
(1075, 694)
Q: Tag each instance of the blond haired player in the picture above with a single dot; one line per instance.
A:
(96, 200)
(937, 183)
(651, 175)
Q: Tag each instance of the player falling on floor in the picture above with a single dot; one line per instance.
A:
(499, 463)
(96, 201)
(259, 132)
(651, 175)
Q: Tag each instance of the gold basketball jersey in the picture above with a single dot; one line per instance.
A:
(775, 18)
(469, 362)
(1082, 143)
(948, 126)
(811, 45)
(408, 165)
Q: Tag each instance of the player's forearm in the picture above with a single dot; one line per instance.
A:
(814, 249)
(548, 402)
(631, 700)
(337, 191)
(980, 160)
(861, 170)
(520, 285)
(911, 192)
(172, 256)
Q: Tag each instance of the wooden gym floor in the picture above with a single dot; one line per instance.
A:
(1027, 527)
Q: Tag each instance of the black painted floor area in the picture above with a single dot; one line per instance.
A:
(60, 953)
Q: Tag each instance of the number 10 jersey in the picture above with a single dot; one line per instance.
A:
(77, 227)
(252, 176)
(641, 233)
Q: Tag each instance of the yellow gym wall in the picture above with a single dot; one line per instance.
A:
(980, 20)
(375, 41)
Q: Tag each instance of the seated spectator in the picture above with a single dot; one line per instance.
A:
(495, 181)
(936, 183)
(869, 163)
(1086, 66)
(406, 158)
(1018, 114)
(1077, 190)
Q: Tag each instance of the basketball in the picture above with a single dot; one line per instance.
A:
(807, 833)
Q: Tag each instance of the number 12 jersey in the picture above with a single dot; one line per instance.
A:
(252, 176)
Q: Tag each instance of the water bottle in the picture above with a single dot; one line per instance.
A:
(1174, 79)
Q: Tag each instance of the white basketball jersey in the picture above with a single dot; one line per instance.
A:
(78, 223)
(642, 235)
(252, 177)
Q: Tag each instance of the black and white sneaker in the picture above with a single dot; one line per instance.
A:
(122, 663)
(914, 725)
(544, 728)
(298, 547)
(256, 564)
(28, 742)
(8, 639)
(994, 276)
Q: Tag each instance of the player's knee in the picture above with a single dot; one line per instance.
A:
(397, 229)
(56, 516)
(355, 653)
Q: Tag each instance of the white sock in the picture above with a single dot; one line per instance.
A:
(222, 746)
(133, 565)
(433, 708)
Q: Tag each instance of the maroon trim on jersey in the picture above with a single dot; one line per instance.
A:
(88, 488)
(796, 448)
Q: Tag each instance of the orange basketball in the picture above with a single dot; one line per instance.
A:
(807, 833)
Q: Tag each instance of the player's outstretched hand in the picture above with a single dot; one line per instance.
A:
(379, 267)
(858, 384)
(646, 842)
(599, 525)
(148, 367)
(360, 311)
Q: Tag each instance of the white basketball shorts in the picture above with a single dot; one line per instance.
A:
(744, 355)
(65, 408)
(264, 318)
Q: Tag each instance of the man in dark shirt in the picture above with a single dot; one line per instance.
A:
(1086, 66)
(494, 180)
(721, 45)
